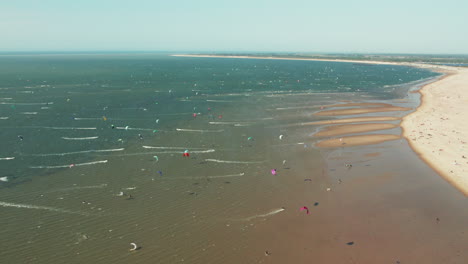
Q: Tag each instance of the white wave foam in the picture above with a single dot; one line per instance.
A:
(80, 138)
(7, 158)
(166, 152)
(69, 165)
(233, 161)
(87, 118)
(220, 101)
(276, 211)
(151, 147)
(77, 152)
(291, 144)
(100, 186)
(4, 179)
(30, 206)
(232, 123)
(70, 128)
(5, 103)
(136, 128)
(197, 130)
(3, 117)
(296, 107)
(28, 113)
(5, 98)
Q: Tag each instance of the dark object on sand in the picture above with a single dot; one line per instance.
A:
(350, 243)
(267, 253)
(316, 204)
(307, 179)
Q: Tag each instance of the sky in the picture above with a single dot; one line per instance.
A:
(332, 26)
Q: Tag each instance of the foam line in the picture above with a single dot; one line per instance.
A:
(196, 130)
(28, 113)
(150, 147)
(220, 101)
(77, 152)
(67, 166)
(4, 98)
(234, 162)
(230, 123)
(136, 128)
(165, 152)
(8, 158)
(87, 118)
(70, 128)
(80, 138)
(3, 117)
(100, 186)
(30, 206)
(276, 211)
(291, 144)
(5, 103)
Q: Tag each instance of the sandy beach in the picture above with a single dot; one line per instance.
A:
(436, 131)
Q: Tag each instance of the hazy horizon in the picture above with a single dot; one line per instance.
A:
(299, 26)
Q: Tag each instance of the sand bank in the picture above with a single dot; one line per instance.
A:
(352, 120)
(332, 131)
(356, 140)
(438, 129)
(357, 111)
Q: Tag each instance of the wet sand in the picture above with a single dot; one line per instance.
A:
(351, 129)
(356, 111)
(356, 140)
(353, 120)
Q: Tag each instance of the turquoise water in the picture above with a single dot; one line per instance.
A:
(91, 149)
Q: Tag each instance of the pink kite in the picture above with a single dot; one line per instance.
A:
(305, 208)
(273, 171)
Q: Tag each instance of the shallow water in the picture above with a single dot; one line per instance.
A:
(62, 201)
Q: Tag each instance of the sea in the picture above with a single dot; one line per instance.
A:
(152, 158)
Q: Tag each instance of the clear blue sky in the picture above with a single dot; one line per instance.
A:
(367, 26)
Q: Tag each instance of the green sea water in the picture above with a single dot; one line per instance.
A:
(92, 147)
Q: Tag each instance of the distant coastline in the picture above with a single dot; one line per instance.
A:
(436, 130)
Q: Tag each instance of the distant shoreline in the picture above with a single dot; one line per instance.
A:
(436, 130)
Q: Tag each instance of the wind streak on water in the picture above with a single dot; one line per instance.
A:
(77, 152)
(233, 161)
(30, 206)
(69, 165)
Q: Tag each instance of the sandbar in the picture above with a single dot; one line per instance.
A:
(352, 120)
(356, 140)
(357, 111)
(353, 128)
